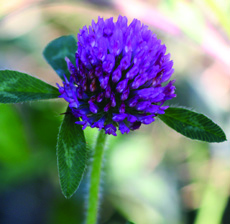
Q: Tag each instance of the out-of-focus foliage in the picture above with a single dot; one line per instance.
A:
(151, 176)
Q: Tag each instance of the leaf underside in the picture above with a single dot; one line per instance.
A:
(193, 125)
(18, 87)
(71, 155)
(56, 51)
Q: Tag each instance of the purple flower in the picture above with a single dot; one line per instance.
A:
(121, 76)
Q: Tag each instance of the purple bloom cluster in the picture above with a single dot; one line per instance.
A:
(120, 78)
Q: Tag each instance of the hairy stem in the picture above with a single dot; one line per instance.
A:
(93, 200)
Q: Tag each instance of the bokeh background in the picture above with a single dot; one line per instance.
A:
(151, 176)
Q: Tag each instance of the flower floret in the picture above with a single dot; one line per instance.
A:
(121, 76)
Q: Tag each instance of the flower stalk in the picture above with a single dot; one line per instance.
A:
(95, 177)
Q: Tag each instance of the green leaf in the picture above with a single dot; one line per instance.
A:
(57, 50)
(193, 125)
(71, 155)
(18, 87)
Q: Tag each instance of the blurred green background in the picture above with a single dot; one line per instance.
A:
(151, 176)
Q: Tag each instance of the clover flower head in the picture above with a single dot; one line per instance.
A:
(121, 78)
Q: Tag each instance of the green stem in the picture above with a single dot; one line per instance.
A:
(93, 200)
